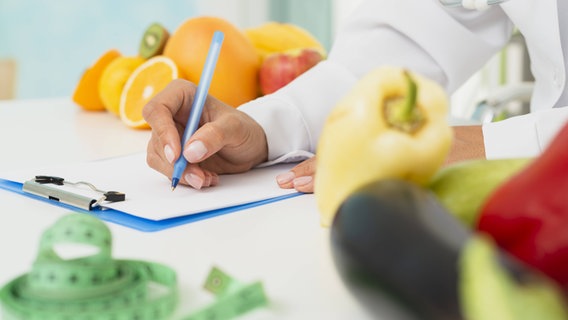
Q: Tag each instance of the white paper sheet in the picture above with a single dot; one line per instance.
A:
(148, 193)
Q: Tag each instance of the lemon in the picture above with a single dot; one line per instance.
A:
(114, 78)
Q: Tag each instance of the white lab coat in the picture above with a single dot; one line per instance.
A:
(446, 45)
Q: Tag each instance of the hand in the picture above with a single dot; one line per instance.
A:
(301, 177)
(227, 141)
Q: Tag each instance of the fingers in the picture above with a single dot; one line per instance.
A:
(156, 159)
(207, 140)
(166, 113)
(304, 184)
(193, 175)
(198, 178)
(229, 142)
(301, 177)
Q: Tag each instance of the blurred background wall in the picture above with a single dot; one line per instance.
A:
(53, 41)
(45, 45)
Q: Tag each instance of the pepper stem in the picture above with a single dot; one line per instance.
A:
(402, 112)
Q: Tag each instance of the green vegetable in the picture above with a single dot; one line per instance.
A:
(463, 187)
(495, 286)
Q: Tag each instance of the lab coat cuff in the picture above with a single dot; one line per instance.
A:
(283, 126)
(512, 138)
(523, 136)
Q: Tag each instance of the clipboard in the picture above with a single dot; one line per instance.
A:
(148, 204)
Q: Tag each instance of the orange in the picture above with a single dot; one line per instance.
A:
(86, 94)
(236, 75)
(143, 84)
(113, 79)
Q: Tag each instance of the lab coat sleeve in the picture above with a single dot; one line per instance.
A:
(292, 117)
(417, 34)
(523, 136)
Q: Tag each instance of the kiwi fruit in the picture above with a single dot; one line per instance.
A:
(153, 41)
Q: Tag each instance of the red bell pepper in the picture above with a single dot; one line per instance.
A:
(528, 214)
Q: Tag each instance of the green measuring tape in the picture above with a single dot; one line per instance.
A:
(233, 298)
(100, 287)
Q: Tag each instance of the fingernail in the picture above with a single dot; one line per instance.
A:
(284, 178)
(214, 180)
(169, 153)
(302, 181)
(195, 151)
(194, 180)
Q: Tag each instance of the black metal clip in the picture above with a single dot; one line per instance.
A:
(49, 179)
(114, 196)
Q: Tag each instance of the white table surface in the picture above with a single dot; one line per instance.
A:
(281, 243)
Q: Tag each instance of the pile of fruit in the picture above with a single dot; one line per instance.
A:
(252, 62)
(477, 240)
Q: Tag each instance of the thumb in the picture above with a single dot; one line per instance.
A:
(206, 141)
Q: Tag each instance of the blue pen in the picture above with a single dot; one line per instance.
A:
(198, 103)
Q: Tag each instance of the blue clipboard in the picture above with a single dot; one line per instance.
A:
(139, 223)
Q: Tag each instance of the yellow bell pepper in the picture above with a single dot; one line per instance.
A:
(392, 124)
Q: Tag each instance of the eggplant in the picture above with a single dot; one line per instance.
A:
(391, 240)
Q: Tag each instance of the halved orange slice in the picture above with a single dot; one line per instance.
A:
(143, 84)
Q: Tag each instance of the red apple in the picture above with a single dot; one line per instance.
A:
(279, 69)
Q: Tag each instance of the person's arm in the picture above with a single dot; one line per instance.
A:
(417, 34)
(522, 136)
(446, 45)
(467, 144)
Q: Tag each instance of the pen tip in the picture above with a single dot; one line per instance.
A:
(175, 182)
